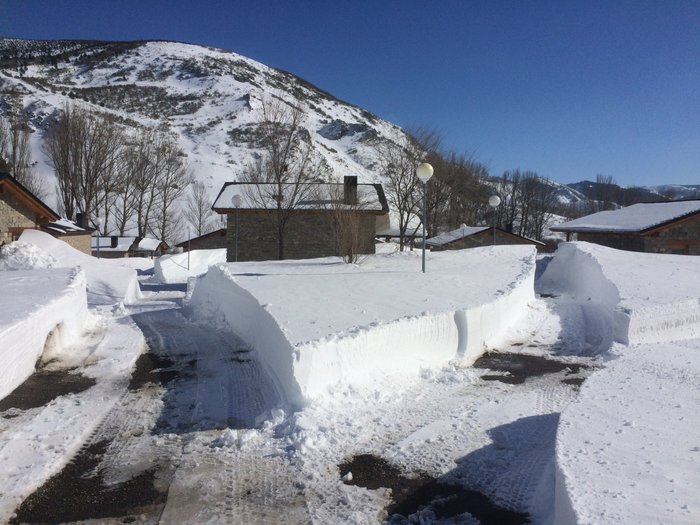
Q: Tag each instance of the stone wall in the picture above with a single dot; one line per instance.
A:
(212, 241)
(682, 237)
(307, 235)
(79, 242)
(13, 214)
(620, 241)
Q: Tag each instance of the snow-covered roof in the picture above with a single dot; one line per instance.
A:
(148, 244)
(459, 233)
(63, 226)
(370, 197)
(635, 218)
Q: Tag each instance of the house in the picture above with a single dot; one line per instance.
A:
(653, 227)
(310, 229)
(474, 236)
(20, 210)
(115, 247)
(208, 241)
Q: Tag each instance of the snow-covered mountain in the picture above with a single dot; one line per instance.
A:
(210, 98)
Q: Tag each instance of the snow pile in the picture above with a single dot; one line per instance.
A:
(319, 322)
(627, 448)
(106, 283)
(174, 268)
(40, 311)
(32, 449)
(639, 297)
(24, 256)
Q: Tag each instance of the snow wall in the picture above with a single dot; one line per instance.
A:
(638, 298)
(177, 268)
(362, 355)
(645, 300)
(48, 311)
(107, 283)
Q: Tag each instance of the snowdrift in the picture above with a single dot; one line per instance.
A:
(170, 269)
(641, 297)
(627, 447)
(40, 310)
(316, 323)
(106, 283)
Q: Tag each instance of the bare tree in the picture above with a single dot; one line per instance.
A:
(170, 181)
(198, 209)
(16, 152)
(287, 169)
(347, 224)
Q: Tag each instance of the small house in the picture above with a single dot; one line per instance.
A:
(652, 227)
(208, 241)
(115, 247)
(252, 227)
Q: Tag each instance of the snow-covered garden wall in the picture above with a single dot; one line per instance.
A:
(38, 309)
(319, 322)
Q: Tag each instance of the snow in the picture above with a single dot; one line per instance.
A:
(174, 268)
(148, 244)
(635, 218)
(624, 287)
(106, 283)
(20, 255)
(40, 311)
(320, 322)
(627, 448)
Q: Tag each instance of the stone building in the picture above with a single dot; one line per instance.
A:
(311, 229)
(653, 227)
(116, 247)
(475, 236)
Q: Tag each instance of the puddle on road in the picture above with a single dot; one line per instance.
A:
(519, 367)
(413, 494)
(77, 493)
(44, 386)
(151, 368)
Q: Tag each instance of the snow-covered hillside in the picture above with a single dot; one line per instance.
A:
(210, 98)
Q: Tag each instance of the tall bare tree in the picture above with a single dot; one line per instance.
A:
(287, 168)
(15, 149)
(198, 210)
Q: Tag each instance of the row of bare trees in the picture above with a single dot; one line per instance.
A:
(118, 181)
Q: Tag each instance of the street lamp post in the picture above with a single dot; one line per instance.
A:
(424, 172)
(494, 202)
(97, 229)
(189, 248)
(236, 201)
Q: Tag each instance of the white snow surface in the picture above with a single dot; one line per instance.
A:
(453, 235)
(643, 298)
(106, 283)
(41, 312)
(320, 322)
(637, 217)
(627, 447)
(20, 255)
(177, 268)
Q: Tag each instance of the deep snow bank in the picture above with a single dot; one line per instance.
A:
(319, 322)
(177, 268)
(641, 297)
(36, 306)
(106, 282)
(627, 448)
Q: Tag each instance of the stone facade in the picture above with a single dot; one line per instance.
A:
(208, 241)
(13, 214)
(308, 234)
(631, 241)
(79, 241)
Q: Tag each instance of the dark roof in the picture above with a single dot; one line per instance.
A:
(473, 231)
(26, 195)
(220, 232)
(371, 197)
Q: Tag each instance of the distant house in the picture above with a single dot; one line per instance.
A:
(310, 230)
(654, 227)
(21, 210)
(474, 236)
(208, 241)
(115, 247)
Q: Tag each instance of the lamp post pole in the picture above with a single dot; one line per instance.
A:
(424, 172)
(236, 201)
(494, 202)
(97, 229)
(189, 238)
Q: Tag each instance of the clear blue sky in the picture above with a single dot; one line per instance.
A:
(567, 89)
